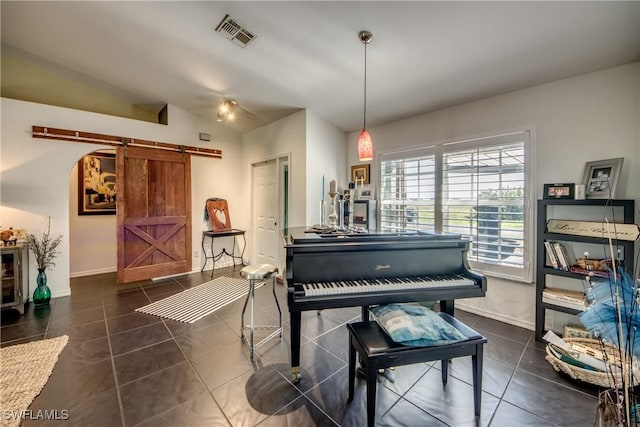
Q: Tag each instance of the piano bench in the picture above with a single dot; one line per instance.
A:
(378, 351)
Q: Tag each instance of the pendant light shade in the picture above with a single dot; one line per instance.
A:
(365, 145)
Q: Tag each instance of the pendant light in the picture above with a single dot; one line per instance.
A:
(365, 146)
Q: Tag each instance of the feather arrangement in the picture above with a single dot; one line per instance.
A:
(614, 313)
(613, 316)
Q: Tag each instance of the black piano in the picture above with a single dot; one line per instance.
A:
(335, 270)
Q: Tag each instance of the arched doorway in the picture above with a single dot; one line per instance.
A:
(92, 224)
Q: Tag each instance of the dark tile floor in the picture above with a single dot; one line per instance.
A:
(123, 368)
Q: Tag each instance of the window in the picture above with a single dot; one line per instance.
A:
(478, 188)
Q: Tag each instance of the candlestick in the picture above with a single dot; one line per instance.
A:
(351, 204)
(333, 216)
(322, 187)
(341, 212)
(322, 213)
(332, 187)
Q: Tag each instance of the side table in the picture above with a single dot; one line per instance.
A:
(211, 255)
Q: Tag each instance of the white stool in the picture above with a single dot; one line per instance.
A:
(254, 274)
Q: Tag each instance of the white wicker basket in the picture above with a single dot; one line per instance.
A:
(603, 379)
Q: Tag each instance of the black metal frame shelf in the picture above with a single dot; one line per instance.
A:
(543, 270)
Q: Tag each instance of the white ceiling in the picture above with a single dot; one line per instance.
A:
(424, 55)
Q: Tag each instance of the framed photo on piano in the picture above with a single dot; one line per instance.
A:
(365, 193)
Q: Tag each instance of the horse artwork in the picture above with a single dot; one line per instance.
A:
(97, 184)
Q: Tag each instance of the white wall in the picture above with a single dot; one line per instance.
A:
(36, 173)
(316, 148)
(283, 137)
(589, 117)
(326, 157)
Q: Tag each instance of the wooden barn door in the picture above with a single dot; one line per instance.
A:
(154, 213)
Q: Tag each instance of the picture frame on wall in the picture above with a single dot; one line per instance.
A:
(97, 184)
(601, 177)
(360, 174)
(559, 191)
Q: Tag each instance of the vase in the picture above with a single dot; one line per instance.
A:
(42, 294)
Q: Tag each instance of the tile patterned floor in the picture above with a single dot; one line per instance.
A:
(123, 368)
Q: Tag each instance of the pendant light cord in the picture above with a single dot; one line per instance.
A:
(364, 124)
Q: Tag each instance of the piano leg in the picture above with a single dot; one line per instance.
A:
(295, 320)
(365, 313)
(446, 306)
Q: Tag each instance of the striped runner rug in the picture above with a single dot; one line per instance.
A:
(193, 304)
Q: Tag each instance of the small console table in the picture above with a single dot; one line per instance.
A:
(211, 255)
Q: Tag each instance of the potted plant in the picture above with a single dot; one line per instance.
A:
(44, 249)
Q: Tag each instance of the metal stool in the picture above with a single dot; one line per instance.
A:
(254, 274)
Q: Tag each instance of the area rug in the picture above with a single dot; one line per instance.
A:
(24, 370)
(193, 304)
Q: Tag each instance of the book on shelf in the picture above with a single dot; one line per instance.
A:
(584, 271)
(564, 255)
(551, 255)
(565, 298)
(560, 257)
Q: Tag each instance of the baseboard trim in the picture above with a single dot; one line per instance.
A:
(219, 264)
(495, 316)
(77, 274)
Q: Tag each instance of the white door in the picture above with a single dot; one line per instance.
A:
(266, 212)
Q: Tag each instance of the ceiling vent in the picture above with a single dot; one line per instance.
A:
(234, 31)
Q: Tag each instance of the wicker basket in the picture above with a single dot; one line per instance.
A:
(603, 379)
(594, 264)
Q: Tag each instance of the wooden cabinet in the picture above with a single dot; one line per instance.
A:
(15, 276)
(618, 211)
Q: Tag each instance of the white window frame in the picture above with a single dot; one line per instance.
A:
(520, 274)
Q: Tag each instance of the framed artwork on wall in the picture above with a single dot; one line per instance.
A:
(360, 174)
(97, 184)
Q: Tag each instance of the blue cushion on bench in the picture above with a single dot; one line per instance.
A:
(415, 325)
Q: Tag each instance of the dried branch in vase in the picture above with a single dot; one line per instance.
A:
(44, 247)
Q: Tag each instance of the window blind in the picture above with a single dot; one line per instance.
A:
(476, 188)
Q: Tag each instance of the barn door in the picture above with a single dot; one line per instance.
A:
(154, 213)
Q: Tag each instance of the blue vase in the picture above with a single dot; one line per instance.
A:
(42, 294)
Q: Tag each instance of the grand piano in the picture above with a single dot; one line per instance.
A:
(333, 270)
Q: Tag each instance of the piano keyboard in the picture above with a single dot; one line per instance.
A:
(381, 285)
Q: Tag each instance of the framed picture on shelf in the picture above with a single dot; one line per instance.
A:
(360, 174)
(558, 191)
(601, 177)
(97, 184)
(364, 193)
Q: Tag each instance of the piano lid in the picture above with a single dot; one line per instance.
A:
(302, 235)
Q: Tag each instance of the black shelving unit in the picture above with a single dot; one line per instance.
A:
(542, 270)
